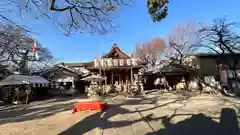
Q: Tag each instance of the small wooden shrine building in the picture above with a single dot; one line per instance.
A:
(116, 66)
(168, 70)
(63, 76)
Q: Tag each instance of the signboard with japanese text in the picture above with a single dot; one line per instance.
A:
(109, 62)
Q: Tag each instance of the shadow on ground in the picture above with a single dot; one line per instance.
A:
(102, 119)
(19, 113)
(200, 124)
(197, 124)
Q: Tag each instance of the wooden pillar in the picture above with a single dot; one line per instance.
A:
(100, 71)
(73, 82)
(127, 78)
(100, 75)
(101, 65)
(112, 77)
(131, 75)
(120, 78)
(105, 77)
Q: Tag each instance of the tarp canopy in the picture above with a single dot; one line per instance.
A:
(23, 79)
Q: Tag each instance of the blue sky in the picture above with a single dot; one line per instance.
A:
(135, 25)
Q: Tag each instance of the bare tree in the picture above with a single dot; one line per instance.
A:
(181, 42)
(151, 51)
(223, 39)
(86, 16)
(16, 49)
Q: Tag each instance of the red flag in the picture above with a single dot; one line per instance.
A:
(35, 49)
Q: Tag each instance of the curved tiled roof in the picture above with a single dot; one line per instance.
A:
(116, 49)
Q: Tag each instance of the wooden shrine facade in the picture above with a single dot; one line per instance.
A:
(62, 76)
(116, 66)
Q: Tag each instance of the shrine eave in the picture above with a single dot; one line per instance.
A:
(118, 67)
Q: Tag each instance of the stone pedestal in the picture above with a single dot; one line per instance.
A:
(93, 92)
(96, 98)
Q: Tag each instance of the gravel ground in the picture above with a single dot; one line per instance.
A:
(129, 116)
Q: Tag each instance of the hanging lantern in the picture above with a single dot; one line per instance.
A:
(102, 62)
(96, 63)
(34, 85)
(105, 63)
(129, 62)
(109, 63)
(134, 62)
(115, 62)
(121, 62)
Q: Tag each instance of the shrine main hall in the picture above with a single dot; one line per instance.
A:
(118, 67)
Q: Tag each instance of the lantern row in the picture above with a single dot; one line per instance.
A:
(109, 62)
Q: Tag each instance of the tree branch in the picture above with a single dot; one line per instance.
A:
(53, 7)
